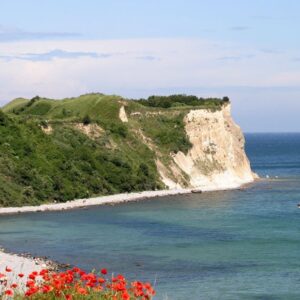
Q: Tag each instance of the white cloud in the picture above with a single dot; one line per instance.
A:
(136, 64)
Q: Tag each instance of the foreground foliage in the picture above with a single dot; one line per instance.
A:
(72, 284)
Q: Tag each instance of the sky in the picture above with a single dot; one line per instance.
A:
(246, 50)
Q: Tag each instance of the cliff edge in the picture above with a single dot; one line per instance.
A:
(217, 158)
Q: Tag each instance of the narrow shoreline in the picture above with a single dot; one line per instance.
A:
(95, 201)
(116, 199)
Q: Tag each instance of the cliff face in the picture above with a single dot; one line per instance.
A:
(217, 158)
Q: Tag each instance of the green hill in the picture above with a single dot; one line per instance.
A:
(59, 150)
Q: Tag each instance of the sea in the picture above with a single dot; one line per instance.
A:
(239, 244)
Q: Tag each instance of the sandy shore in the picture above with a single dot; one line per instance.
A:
(21, 265)
(112, 199)
(118, 198)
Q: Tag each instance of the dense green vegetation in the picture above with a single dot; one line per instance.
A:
(64, 163)
(183, 100)
(167, 132)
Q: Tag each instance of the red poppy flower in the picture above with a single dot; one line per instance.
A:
(104, 271)
(82, 291)
(9, 293)
(30, 283)
(31, 291)
(32, 276)
(125, 296)
(47, 289)
(75, 282)
(101, 280)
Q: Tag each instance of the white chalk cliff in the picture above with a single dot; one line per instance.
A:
(217, 158)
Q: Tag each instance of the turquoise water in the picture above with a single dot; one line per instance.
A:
(242, 244)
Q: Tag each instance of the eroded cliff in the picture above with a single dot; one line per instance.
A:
(217, 158)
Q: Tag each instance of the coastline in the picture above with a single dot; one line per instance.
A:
(95, 201)
(117, 199)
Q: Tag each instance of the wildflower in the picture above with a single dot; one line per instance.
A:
(47, 289)
(31, 291)
(82, 291)
(101, 280)
(98, 288)
(43, 272)
(125, 295)
(76, 270)
(9, 293)
(76, 283)
(32, 276)
(104, 271)
(30, 283)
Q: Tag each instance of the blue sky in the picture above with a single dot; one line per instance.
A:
(248, 50)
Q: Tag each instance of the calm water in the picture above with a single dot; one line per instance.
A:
(223, 245)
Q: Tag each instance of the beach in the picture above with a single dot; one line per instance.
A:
(20, 264)
(121, 198)
(102, 200)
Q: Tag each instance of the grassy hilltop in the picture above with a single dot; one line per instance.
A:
(59, 150)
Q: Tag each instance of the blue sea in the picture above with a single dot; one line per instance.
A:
(242, 244)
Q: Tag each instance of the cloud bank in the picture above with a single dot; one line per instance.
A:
(34, 67)
(141, 67)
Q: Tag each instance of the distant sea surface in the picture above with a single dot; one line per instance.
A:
(242, 244)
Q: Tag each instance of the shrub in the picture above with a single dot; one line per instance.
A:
(86, 120)
(182, 100)
(119, 129)
(32, 101)
(3, 118)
